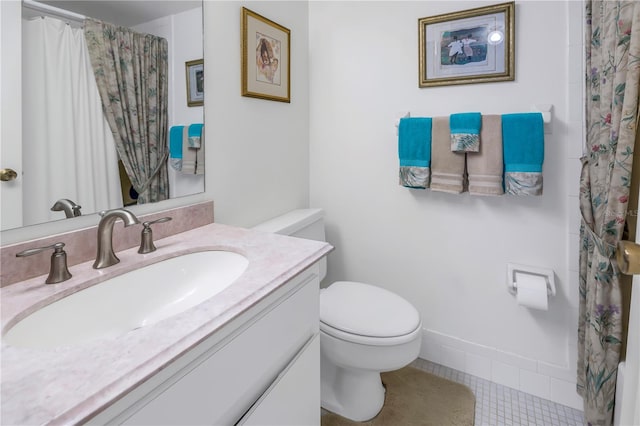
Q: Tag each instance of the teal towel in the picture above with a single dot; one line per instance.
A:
(414, 151)
(523, 152)
(465, 131)
(194, 134)
(195, 129)
(523, 142)
(175, 141)
(414, 141)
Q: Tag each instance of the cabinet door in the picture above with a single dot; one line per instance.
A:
(219, 387)
(294, 397)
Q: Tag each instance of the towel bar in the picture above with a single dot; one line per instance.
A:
(407, 115)
(544, 109)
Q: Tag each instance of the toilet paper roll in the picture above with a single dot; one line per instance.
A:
(532, 291)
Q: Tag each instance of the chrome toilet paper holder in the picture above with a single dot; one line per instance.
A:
(548, 275)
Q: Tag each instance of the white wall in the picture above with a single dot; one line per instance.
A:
(257, 150)
(183, 32)
(446, 253)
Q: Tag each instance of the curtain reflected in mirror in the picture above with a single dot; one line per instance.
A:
(131, 70)
(68, 147)
(78, 156)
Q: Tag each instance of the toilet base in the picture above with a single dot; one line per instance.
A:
(352, 393)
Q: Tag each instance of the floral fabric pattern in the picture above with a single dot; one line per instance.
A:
(613, 76)
(415, 177)
(523, 183)
(131, 70)
(465, 142)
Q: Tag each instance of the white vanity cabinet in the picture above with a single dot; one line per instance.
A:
(283, 403)
(261, 368)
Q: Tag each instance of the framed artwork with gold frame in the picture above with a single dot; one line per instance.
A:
(470, 46)
(265, 58)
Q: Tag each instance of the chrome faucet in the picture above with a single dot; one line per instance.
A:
(70, 208)
(106, 256)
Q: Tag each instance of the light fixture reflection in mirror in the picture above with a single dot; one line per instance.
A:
(185, 44)
(495, 37)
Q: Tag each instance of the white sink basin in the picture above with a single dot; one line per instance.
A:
(129, 301)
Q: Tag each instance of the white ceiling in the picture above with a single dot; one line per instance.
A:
(124, 13)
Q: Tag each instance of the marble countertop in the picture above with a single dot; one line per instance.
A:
(69, 384)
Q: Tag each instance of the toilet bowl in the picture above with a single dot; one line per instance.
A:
(364, 330)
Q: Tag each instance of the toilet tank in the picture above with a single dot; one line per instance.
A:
(301, 223)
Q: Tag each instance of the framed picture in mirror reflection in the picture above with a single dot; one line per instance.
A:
(195, 82)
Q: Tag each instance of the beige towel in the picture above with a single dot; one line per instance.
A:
(447, 168)
(192, 158)
(200, 155)
(485, 168)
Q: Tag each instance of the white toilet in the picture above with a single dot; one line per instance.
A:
(364, 330)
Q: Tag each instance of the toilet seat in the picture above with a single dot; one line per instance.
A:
(366, 314)
(369, 340)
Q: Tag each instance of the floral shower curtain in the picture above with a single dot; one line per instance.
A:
(613, 76)
(131, 71)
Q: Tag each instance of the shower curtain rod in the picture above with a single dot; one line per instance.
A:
(62, 13)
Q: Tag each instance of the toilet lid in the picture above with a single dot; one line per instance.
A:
(366, 310)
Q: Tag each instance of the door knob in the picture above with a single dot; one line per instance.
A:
(628, 257)
(7, 175)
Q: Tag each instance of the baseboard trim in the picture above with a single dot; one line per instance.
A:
(542, 379)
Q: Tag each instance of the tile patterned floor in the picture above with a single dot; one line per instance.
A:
(498, 405)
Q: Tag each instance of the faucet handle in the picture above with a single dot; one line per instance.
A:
(146, 237)
(162, 219)
(59, 271)
(76, 210)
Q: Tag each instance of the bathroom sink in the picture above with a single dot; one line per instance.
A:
(129, 301)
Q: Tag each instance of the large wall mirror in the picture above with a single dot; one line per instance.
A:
(79, 166)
